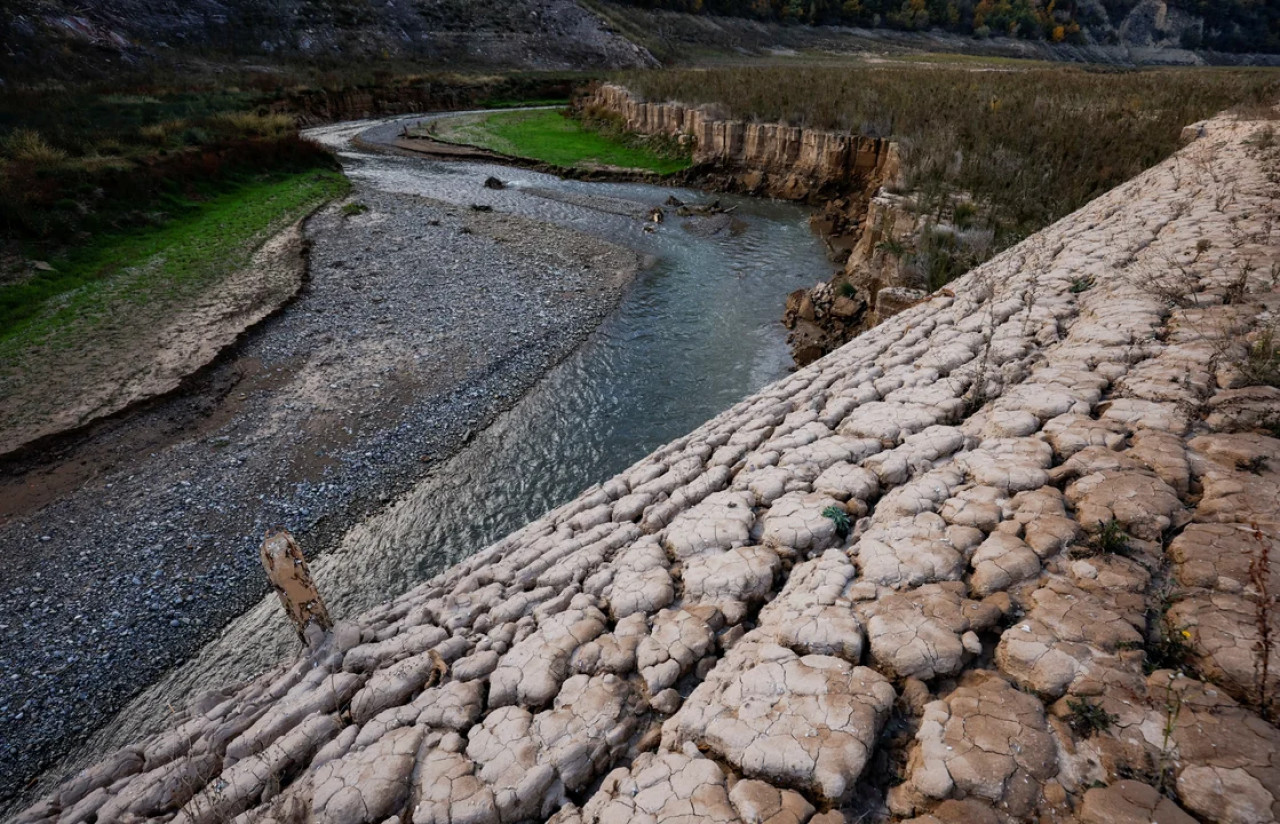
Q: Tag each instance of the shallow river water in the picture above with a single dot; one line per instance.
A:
(698, 331)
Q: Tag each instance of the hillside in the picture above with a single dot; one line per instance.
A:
(76, 39)
(59, 39)
(1235, 26)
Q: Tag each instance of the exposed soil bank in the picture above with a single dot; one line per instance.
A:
(59, 391)
(413, 332)
(787, 162)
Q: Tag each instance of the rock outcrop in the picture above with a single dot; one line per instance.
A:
(976, 565)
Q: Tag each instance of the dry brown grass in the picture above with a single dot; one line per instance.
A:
(28, 146)
(1029, 144)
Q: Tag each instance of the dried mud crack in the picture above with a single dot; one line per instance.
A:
(1060, 499)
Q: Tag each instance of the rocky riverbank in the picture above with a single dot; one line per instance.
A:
(1003, 557)
(419, 322)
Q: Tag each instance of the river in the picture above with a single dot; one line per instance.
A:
(696, 332)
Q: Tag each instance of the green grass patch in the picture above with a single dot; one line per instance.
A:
(552, 137)
(205, 242)
(509, 103)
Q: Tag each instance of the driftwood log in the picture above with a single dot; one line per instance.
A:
(291, 579)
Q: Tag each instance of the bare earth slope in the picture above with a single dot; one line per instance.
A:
(695, 639)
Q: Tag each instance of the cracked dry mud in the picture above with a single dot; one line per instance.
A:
(1045, 486)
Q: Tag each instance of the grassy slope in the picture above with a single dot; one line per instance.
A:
(165, 265)
(550, 137)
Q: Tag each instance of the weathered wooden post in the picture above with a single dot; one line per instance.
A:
(287, 571)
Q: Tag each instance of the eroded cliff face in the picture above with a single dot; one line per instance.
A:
(874, 283)
(760, 158)
(1005, 557)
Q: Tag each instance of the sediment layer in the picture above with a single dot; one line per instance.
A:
(1060, 486)
(782, 161)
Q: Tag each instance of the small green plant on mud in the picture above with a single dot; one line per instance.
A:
(1083, 284)
(840, 518)
(892, 246)
(1262, 364)
(1111, 538)
(1169, 649)
(1087, 718)
(1172, 709)
(353, 209)
(845, 289)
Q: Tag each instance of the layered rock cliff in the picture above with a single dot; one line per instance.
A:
(1005, 557)
(780, 161)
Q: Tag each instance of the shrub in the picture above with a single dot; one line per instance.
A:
(1079, 285)
(1111, 538)
(1087, 718)
(841, 519)
(892, 246)
(253, 124)
(1169, 649)
(195, 136)
(28, 146)
(161, 134)
(1262, 364)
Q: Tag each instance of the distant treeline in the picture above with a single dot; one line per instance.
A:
(1228, 25)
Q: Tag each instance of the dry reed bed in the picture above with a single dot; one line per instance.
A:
(1030, 145)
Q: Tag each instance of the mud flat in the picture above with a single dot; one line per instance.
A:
(1060, 486)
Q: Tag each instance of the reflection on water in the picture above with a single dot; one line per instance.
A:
(697, 332)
